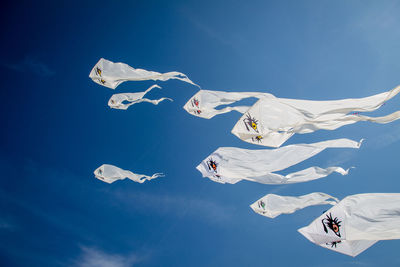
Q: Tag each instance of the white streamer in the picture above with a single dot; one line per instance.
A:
(231, 165)
(109, 174)
(117, 100)
(110, 74)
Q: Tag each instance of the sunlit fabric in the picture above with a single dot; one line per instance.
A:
(204, 103)
(231, 164)
(109, 174)
(110, 74)
(125, 100)
(351, 226)
(273, 205)
(271, 121)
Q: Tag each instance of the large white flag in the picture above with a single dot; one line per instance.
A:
(110, 74)
(204, 103)
(231, 164)
(118, 101)
(109, 174)
(351, 226)
(271, 121)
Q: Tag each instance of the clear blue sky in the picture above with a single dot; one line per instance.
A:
(57, 128)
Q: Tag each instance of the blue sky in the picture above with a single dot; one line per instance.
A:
(57, 128)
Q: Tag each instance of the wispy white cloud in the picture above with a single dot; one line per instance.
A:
(94, 257)
(207, 210)
(32, 65)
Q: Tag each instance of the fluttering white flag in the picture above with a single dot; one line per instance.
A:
(117, 101)
(110, 173)
(110, 74)
(273, 205)
(271, 121)
(351, 226)
(203, 104)
(231, 164)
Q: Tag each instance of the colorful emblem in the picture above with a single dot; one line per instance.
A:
(261, 204)
(98, 71)
(258, 138)
(195, 103)
(250, 123)
(333, 224)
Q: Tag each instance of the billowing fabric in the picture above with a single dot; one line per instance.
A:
(109, 174)
(374, 216)
(271, 121)
(110, 74)
(231, 164)
(273, 205)
(203, 104)
(118, 101)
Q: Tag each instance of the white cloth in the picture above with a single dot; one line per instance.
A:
(203, 104)
(273, 205)
(271, 121)
(349, 227)
(117, 100)
(373, 216)
(109, 174)
(110, 74)
(231, 165)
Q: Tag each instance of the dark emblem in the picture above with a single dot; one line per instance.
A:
(250, 123)
(333, 224)
(261, 204)
(102, 81)
(333, 244)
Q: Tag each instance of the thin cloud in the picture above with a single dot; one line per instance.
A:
(207, 210)
(95, 257)
(30, 65)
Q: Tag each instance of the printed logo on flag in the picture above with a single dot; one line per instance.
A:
(212, 166)
(250, 123)
(98, 72)
(331, 223)
(195, 103)
(333, 244)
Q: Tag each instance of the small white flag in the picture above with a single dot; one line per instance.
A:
(109, 174)
(117, 101)
(110, 74)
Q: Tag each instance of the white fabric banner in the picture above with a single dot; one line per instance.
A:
(373, 216)
(349, 227)
(273, 205)
(231, 164)
(117, 100)
(110, 74)
(203, 104)
(109, 174)
(271, 121)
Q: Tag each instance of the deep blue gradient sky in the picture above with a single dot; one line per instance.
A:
(57, 128)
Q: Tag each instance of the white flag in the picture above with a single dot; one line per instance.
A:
(109, 174)
(338, 228)
(273, 205)
(204, 103)
(271, 121)
(117, 101)
(110, 74)
(373, 216)
(231, 164)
